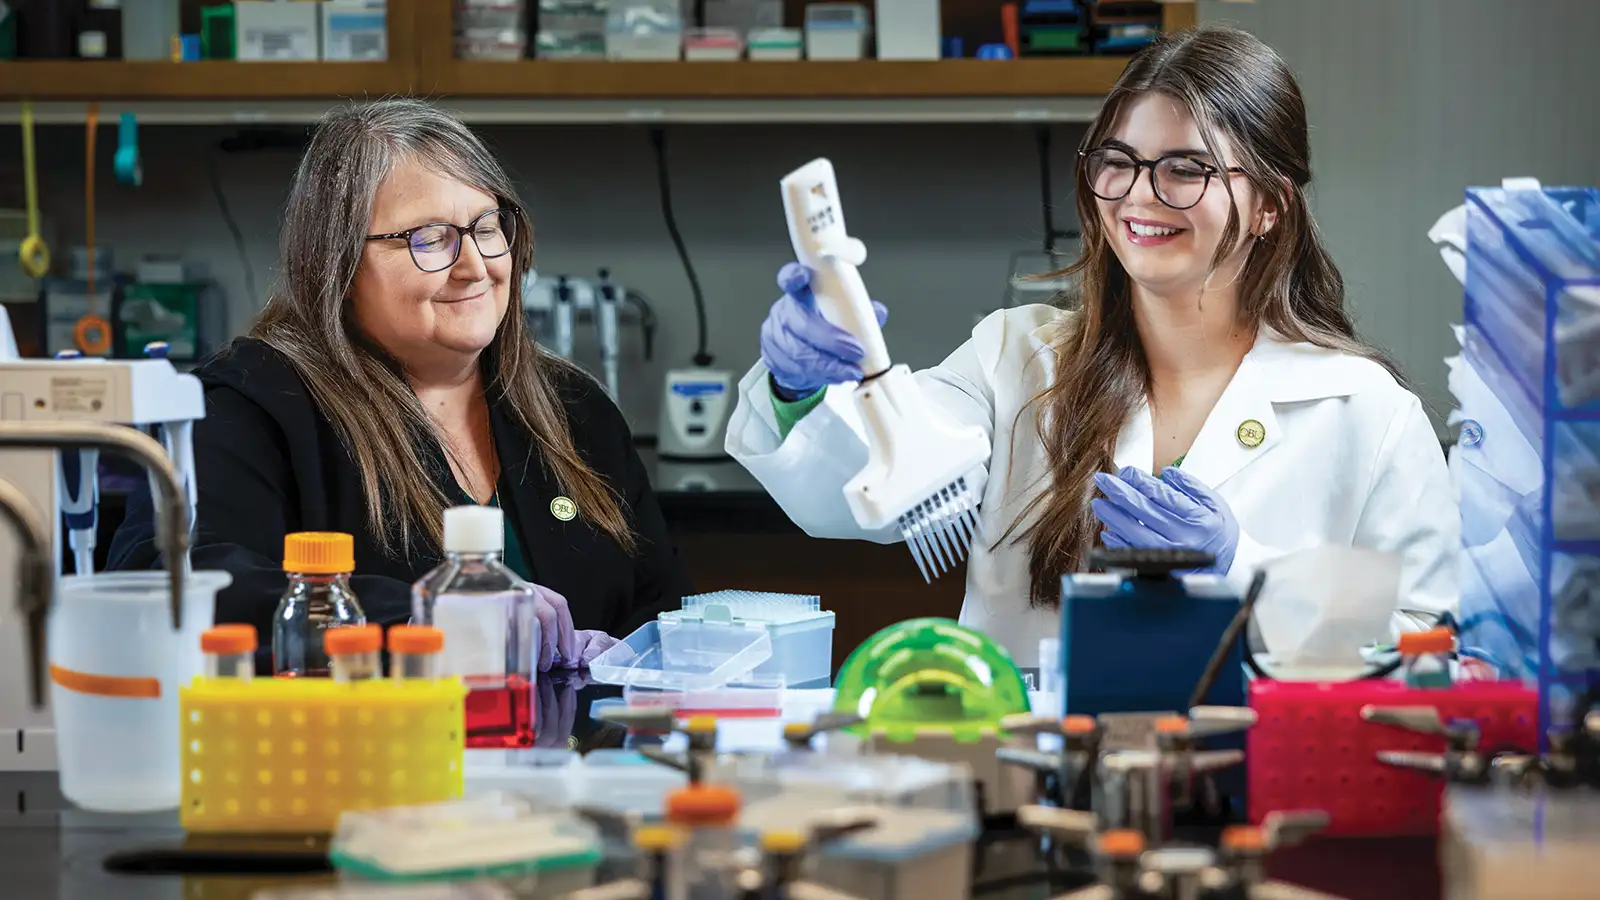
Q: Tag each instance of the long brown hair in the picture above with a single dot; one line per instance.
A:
(358, 387)
(1231, 84)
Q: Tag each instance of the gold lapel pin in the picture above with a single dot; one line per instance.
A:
(564, 509)
(1251, 433)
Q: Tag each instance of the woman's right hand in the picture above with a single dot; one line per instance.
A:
(804, 351)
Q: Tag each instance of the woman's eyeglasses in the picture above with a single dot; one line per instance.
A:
(1178, 181)
(436, 246)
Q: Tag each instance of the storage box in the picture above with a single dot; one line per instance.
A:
(277, 31)
(355, 30)
(836, 31)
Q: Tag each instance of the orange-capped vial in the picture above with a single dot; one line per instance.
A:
(1121, 843)
(414, 651)
(1427, 657)
(230, 651)
(702, 806)
(353, 651)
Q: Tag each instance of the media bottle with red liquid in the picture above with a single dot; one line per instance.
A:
(491, 634)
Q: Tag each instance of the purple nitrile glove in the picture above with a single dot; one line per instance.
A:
(1173, 511)
(557, 639)
(590, 645)
(804, 351)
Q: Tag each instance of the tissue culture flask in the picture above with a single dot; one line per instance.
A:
(501, 714)
(491, 633)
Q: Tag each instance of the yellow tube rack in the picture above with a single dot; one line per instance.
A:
(289, 755)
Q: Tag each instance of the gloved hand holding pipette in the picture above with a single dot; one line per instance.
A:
(804, 351)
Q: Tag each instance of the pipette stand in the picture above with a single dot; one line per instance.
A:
(146, 392)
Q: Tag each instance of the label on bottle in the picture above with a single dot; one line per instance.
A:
(477, 633)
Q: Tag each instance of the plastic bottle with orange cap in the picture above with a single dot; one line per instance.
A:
(1427, 657)
(319, 598)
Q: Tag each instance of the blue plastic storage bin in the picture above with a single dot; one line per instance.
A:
(1527, 462)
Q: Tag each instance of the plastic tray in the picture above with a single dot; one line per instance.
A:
(683, 655)
(801, 631)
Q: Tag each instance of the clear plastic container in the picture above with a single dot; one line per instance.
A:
(623, 781)
(497, 835)
(466, 890)
(318, 598)
(491, 632)
(1526, 383)
(684, 655)
(116, 666)
(548, 773)
(800, 629)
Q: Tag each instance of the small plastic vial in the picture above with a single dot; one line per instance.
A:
(709, 814)
(414, 652)
(1427, 657)
(319, 564)
(230, 651)
(491, 631)
(353, 652)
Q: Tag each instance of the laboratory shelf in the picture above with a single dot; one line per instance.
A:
(84, 80)
(970, 78)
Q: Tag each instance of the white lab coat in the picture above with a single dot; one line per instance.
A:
(1349, 459)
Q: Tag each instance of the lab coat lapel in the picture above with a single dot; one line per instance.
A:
(1241, 428)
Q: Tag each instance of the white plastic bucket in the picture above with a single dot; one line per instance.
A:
(115, 669)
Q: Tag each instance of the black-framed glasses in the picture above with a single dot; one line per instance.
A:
(437, 245)
(1178, 181)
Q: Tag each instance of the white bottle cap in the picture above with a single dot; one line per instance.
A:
(474, 529)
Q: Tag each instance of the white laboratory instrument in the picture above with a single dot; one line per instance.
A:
(607, 312)
(562, 317)
(35, 393)
(694, 414)
(925, 473)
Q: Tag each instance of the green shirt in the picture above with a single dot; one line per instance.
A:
(512, 555)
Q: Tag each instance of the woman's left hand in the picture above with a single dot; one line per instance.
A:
(590, 645)
(1173, 511)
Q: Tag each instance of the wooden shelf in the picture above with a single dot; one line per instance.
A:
(867, 79)
(421, 63)
(215, 80)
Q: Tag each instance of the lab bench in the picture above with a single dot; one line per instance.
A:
(51, 851)
(733, 535)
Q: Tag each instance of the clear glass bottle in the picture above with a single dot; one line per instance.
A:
(319, 564)
(353, 652)
(230, 651)
(491, 635)
(1427, 657)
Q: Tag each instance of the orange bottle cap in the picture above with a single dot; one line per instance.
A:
(319, 553)
(1244, 838)
(1121, 842)
(229, 639)
(415, 639)
(352, 639)
(1437, 640)
(1171, 725)
(706, 804)
(1077, 725)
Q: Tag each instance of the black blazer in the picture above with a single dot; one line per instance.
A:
(269, 463)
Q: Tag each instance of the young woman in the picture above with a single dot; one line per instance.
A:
(1209, 391)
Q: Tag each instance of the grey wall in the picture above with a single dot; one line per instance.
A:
(941, 209)
(1410, 102)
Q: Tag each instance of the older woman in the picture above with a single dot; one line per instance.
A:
(390, 376)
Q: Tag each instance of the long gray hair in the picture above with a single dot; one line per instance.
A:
(361, 389)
